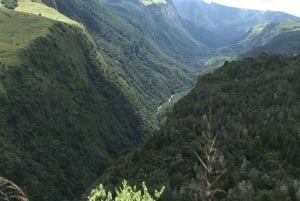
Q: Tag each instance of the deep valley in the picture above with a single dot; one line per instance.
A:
(201, 98)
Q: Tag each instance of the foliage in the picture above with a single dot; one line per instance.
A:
(125, 193)
(256, 118)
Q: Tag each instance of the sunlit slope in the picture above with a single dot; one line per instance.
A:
(17, 30)
(282, 37)
(41, 9)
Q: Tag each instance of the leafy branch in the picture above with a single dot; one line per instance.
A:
(125, 193)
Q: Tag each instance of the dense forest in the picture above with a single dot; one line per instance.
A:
(141, 43)
(64, 114)
(255, 117)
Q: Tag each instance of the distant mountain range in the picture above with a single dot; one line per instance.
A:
(218, 25)
(277, 37)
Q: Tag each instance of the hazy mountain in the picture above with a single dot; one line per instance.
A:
(254, 106)
(280, 37)
(217, 25)
(162, 25)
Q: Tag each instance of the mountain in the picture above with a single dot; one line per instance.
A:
(146, 44)
(252, 107)
(64, 113)
(228, 32)
(80, 83)
(162, 25)
(218, 25)
(280, 37)
(158, 46)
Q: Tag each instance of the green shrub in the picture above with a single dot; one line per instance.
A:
(125, 193)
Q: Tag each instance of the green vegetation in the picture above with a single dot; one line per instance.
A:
(17, 30)
(64, 114)
(40, 9)
(10, 4)
(125, 193)
(167, 106)
(255, 116)
(145, 49)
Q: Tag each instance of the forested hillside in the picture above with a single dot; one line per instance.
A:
(141, 42)
(254, 105)
(80, 84)
(64, 114)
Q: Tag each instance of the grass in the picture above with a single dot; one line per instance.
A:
(36, 8)
(17, 30)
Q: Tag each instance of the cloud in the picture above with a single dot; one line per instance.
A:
(289, 6)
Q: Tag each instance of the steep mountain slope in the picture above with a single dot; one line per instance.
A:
(64, 114)
(281, 37)
(255, 107)
(128, 35)
(162, 24)
(219, 25)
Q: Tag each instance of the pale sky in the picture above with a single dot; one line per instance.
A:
(288, 6)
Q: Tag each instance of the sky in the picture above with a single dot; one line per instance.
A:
(288, 6)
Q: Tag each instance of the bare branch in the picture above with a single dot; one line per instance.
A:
(202, 162)
(9, 190)
(211, 173)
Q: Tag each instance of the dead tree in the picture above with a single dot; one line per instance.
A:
(211, 160)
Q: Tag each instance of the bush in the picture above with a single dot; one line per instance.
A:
(125, 193)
